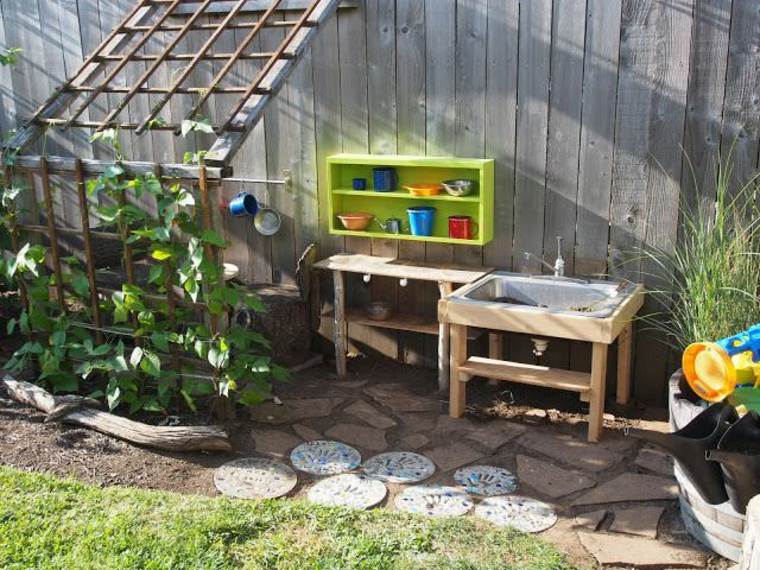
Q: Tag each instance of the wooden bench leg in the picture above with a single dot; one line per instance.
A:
(598, 381)
(624, 341)
(339, 334)
(495, 350)
(444, 288)
(457, 388)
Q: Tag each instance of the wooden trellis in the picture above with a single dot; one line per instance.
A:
(103, 72)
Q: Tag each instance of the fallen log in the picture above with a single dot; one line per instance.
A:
(180, 438)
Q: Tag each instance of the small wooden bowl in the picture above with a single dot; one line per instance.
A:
(423, 189)
(378, 311)
(356, 221)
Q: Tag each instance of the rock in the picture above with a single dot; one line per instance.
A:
(363, 411)
(415, 441)
(292, 411)
(535, 416)
(362, 436)
(549, 479)
(418, 422)
(398, 398)
(496, 433)
(307, 433)
(630, 487)
(642, 521)
(275, 443)
(567, 449)
(447, 424)
(591, 520)
(453, 455)
(619, 550)
(655, 460)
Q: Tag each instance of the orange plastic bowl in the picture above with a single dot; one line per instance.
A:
(424, 189)
(356, 221)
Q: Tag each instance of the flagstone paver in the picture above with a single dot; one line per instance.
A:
(570, 450)
(453, 455)
(361, 436)
(447, 424)
(655, 460)
(630, 487)
(642, 521)
(399, 398)
(366, 413)
(415, 440)
(273, 442)
(417, 422)
(307, 433)
(621, 550)
(549, 479)
(292, 411)
(591, 520)
(495, 434)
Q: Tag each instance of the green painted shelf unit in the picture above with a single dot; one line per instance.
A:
(343, 168)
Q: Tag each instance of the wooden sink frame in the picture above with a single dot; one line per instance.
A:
(591, 386)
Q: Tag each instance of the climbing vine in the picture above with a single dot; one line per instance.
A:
(153, 333)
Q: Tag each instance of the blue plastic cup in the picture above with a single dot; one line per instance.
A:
(385, 179)
(360, 183)
(421, 219)
(244, 204)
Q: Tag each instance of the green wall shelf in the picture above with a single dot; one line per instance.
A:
(343, 168)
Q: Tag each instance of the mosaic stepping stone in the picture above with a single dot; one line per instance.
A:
(348, 490)
(521, 513)
(255, 478)
(323, 457)
(486, 480)
(434, 501)
(399, 467)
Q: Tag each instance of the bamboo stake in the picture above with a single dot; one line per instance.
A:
(210, 250)
(89, 258)
(53, 233)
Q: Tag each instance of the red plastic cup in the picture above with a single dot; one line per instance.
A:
(462, 227)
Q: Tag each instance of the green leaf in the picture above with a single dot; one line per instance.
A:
(58, 338)
(161, 253)
(113, 394)
(81, 285)
(210, 236)
(160, 340)
(156, 274)
(188, 400)
(11, 326)
(151, 364)
(137, 356)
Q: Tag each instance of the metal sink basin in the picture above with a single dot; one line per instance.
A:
(500, 289)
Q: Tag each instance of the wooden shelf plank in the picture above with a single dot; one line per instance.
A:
(443, 197)
(527, 374)
(408, 323)
(407, 237)
(401, 268)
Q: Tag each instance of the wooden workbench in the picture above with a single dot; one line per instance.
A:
(445, 275)
(600, 332)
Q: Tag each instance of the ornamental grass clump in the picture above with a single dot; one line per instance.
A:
(711, 276)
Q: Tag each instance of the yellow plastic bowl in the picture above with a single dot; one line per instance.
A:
(424, 189)
(709, 371)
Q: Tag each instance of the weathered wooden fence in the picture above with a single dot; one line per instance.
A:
(586, 105)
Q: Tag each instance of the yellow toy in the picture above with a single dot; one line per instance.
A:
(714, 369)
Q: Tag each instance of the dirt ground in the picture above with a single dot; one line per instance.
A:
(27, 443)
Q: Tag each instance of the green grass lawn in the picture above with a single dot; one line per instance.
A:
(51, 523)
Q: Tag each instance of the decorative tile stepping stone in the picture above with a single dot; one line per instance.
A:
(399, 467)
(325, 457)
(255, 478)
(434, 501)
(521, 513)
(348, 490)
(486, 480)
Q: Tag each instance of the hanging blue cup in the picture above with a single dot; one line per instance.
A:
(244, 204)
(385, 179)
(421, 219)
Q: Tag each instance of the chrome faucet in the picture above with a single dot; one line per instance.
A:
(559, 264)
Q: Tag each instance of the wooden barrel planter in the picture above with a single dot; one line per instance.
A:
(719, 527)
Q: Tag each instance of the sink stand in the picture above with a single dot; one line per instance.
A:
(601, 332)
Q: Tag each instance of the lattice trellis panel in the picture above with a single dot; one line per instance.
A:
(130, 64)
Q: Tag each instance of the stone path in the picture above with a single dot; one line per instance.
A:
(615, 500)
